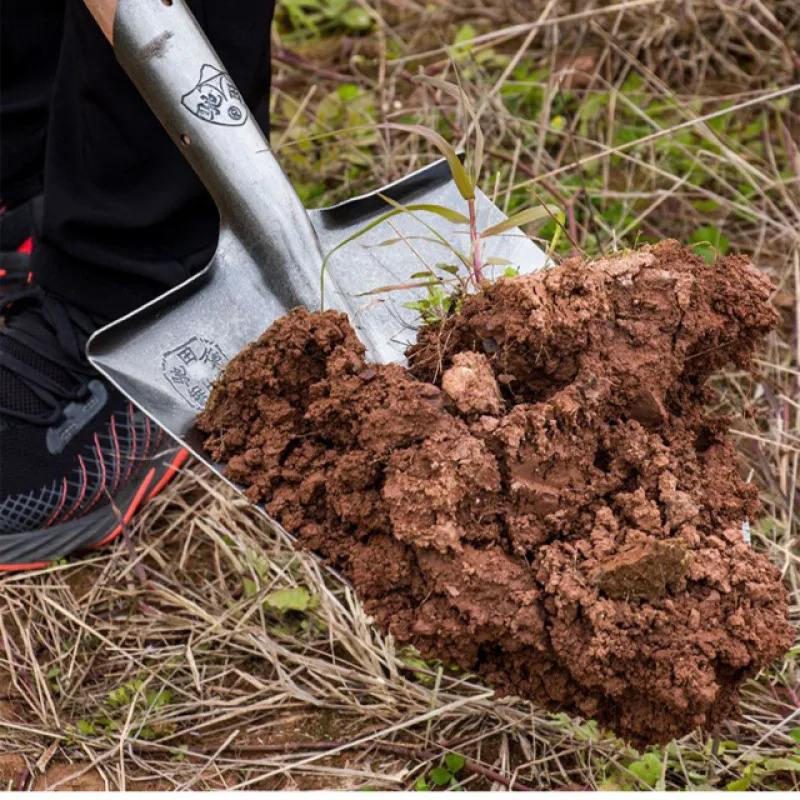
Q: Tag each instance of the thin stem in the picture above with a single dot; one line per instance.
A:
(477, 272)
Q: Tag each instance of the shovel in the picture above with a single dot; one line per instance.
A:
(165, 355)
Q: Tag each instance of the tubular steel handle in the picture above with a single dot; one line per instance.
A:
(167, 56)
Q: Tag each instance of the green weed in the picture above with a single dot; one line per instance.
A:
(442, 776)
(303, 18)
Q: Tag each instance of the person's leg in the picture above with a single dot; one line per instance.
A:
(30, 39)
(125, 217)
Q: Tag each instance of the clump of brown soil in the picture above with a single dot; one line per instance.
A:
(541, 497)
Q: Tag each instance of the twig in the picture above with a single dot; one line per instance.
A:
(403, 750)
(286, 56)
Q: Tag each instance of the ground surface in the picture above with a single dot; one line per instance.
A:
(189, 666)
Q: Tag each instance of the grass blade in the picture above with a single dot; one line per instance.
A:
(446, 213)
(462, 180)
(521, 218)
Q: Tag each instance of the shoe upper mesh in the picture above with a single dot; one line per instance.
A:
(16, 395)
(51, 474)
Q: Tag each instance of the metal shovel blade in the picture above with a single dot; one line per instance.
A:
(165, 355)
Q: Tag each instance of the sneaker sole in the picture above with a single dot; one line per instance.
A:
(37, 549)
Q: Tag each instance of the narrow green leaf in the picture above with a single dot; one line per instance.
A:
(438, 236)
(450, 89)
(477, 154)
(795, 735)
(457, 92)
(462, 180)
(398, 239)
(447, 213)
(456, 217)
(250, 587)
(398, 287)
(560, 220)
(421, 785)
(296, 599)
(520, 218)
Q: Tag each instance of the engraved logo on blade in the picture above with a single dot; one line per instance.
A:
(216, 99)
(191, 367)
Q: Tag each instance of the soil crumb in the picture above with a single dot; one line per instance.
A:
(541, 496)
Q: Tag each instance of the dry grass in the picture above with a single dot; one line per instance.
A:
(170, 671)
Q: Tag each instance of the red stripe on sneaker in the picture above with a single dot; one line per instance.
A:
(101, 488)
(134, 504)
(82, 492)
(137, 499)
(60, 505)
(132, 457)
(148, 437)
(172, 469)
(142, 496)
(21, 567)
(116, 454)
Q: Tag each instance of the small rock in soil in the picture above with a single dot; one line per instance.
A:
(541, 496)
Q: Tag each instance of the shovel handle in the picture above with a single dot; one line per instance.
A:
(104, 12)
(176, 70)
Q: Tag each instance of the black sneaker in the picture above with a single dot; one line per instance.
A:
(76, 458)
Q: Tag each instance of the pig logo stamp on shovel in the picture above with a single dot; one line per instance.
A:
(191, 367)
(215, 99)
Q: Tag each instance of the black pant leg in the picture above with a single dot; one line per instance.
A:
(30, 40)
(125, 217)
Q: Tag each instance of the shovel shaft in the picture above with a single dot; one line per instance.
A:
(166, 54)
(103, 12)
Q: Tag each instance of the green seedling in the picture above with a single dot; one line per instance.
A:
(465, 176)
(443, 775)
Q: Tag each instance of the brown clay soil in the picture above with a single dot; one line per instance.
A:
(541, 497)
